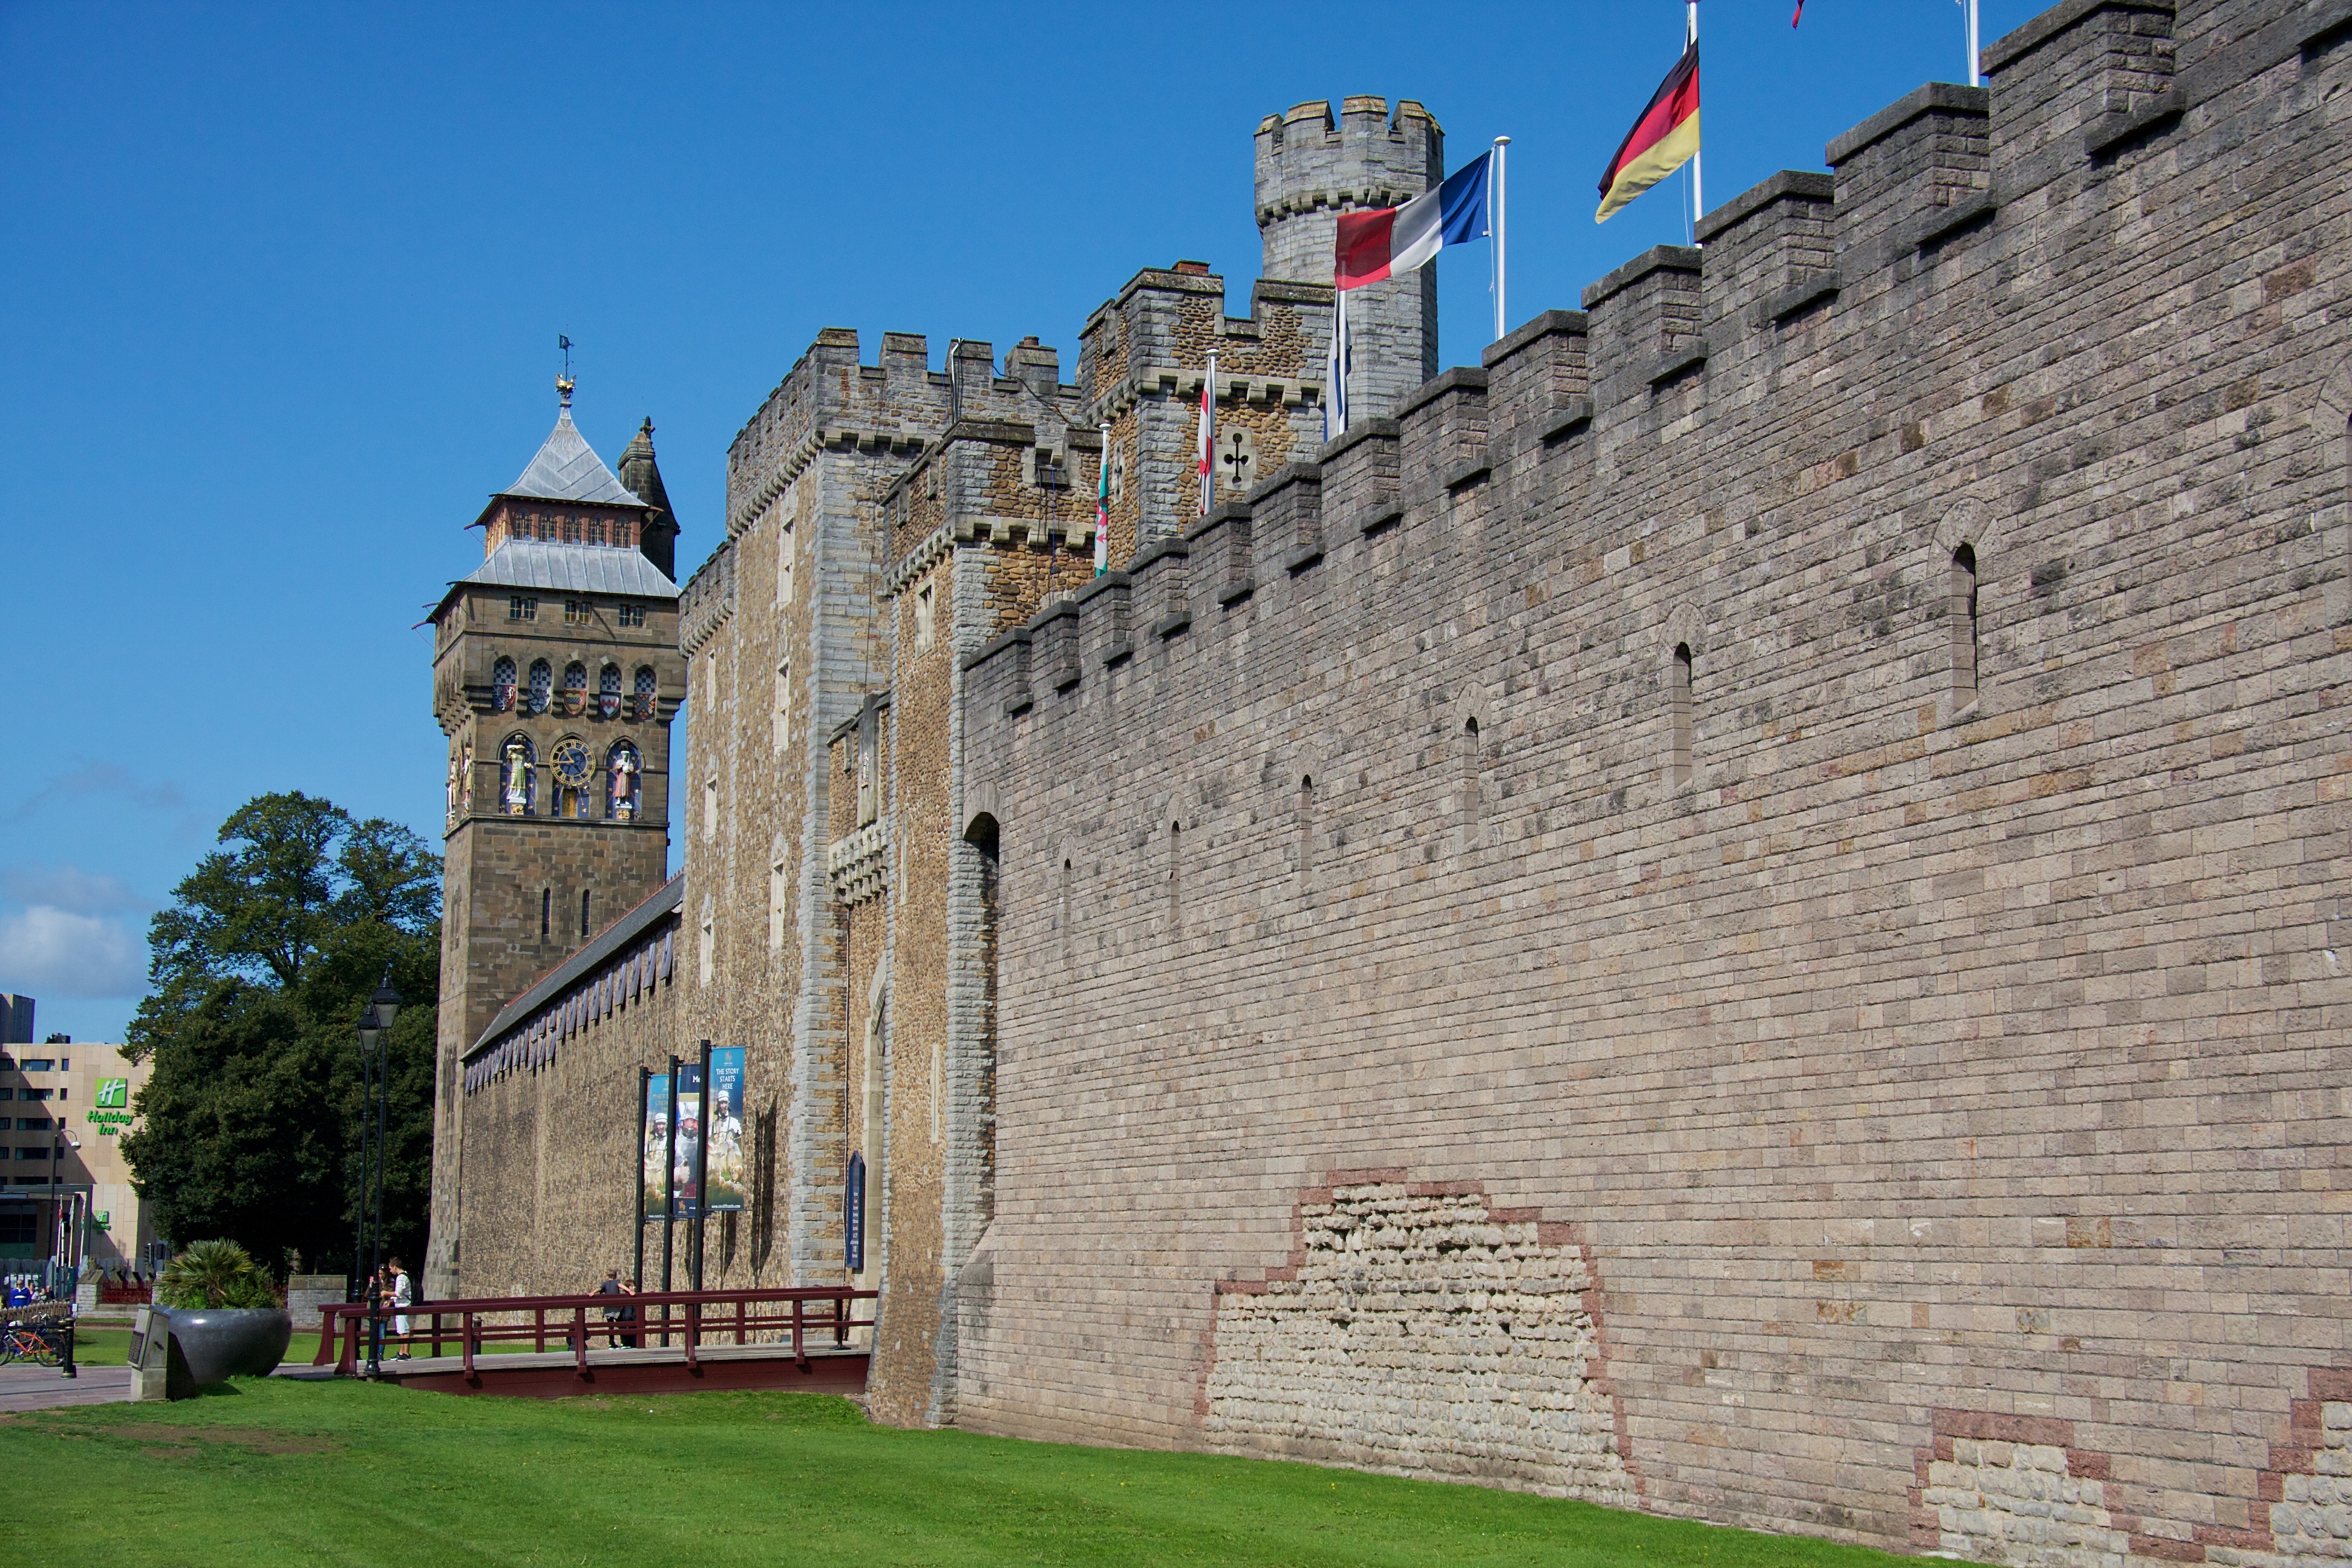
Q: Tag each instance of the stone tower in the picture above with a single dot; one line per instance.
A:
(1311, 170)
(555, 674)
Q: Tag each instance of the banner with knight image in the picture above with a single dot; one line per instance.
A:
(726, 1130)
(656, 1131)
(688, 1139)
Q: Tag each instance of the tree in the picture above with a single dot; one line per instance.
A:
(249, 1123)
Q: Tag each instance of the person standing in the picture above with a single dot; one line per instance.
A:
(402, 1300)
(629, 1314)
(611, 1286)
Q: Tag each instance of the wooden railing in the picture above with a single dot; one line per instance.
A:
(797, 1315)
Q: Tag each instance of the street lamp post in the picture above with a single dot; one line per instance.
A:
(375, 1042)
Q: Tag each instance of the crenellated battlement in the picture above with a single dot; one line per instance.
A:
(831, 399)
(1806, 267)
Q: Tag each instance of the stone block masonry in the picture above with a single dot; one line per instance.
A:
(1823, 773)
(1420, 1332)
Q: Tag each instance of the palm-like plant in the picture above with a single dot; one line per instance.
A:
(217, 1273)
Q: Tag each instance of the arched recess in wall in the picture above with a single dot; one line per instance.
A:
(981, 832)
(2332, 420)
(1178, 841)
(872, 1135)
(778, 890)
(1681, 649)
(1964, 557)
(622, 769)
(1062, 865)
(1305, 771)
(517, 775)
(502, 685)
(1470, 750)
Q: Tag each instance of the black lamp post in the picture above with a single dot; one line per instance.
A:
(375, 1040)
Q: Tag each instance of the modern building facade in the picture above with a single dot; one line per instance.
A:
(66, 1192)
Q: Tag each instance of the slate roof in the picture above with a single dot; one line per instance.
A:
(568, 468)
(574, 568)
(565, 975)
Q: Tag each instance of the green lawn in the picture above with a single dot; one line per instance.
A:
(275, 1471)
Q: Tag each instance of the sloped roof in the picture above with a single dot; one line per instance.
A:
(573, 568)
(568, 468)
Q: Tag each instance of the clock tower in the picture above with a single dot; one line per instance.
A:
(556, 673)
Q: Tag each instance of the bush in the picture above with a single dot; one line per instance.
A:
(215, 1274)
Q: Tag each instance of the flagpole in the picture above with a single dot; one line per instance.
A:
(1102, 503)
(1501, 315)
(1699, 196)
(1209, 438)
(1976, 76)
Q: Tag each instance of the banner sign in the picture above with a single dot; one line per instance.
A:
(853, 1214)
(689, 1139)
(657, 1132)
(727, 1174)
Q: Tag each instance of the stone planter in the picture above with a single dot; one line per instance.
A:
(219, 1344)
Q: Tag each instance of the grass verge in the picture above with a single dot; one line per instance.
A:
(271, 1471)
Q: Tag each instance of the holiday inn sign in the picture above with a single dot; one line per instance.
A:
(111, 1111)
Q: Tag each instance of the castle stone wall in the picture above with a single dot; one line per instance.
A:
(1598, 790)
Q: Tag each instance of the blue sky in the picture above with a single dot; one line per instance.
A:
(284, 289)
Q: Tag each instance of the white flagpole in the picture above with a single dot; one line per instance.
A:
(1975, 76)
(1335, 372)
(1209, 438)
(1502, 143)
(1699, 197)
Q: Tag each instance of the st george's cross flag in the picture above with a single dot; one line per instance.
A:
(1102, 506)
(1209, 438)
(1390, 241)
(1663, 139)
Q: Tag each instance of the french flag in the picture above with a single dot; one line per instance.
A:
(1394, 240)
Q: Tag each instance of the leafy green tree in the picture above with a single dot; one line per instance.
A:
(249, 1123)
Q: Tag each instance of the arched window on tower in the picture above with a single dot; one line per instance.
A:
(1961, 611)
(575, 689)
(608, 691)
(1678, 709)
(646, 693)
(542, 682)
(502, 686)
(622, 768)
(518, 769)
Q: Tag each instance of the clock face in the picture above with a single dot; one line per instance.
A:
(572, 762)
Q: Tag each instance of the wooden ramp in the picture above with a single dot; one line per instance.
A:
(554, 1375)
(550, 1347)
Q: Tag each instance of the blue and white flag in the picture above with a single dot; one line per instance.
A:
(1336, 366)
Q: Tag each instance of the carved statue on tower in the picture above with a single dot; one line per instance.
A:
(622, 801)
(516, 794)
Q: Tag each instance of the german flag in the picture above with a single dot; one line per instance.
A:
(1662, 141)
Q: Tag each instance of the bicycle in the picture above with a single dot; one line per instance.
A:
(22, 1343)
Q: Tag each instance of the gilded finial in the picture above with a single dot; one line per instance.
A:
(564, 389)
(564, 377)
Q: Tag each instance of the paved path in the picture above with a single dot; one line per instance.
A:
(41, 1387)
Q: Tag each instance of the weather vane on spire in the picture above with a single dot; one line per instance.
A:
(564, 382)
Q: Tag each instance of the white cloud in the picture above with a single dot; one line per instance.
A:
(70, 889)
(49, 951)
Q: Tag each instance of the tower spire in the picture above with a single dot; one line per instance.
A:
(642, 476)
